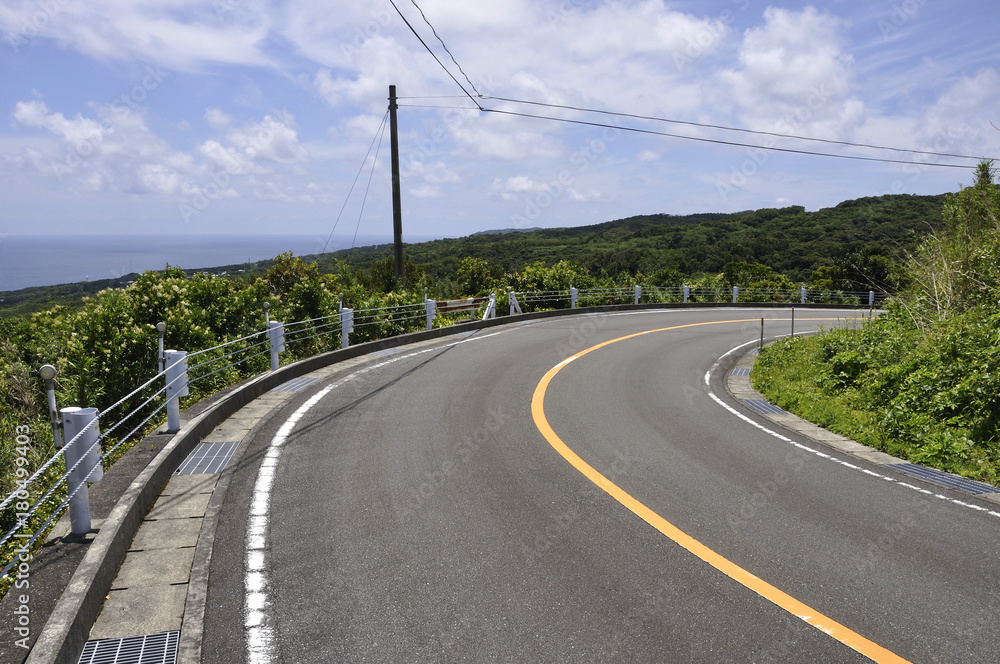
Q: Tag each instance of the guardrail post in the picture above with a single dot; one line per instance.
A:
(736, 293)
(276, 335)
(431, 307)
(574, 297)
(514, 304)
(76, 420)
(687, 293)
(491, 307)
(638, 293)
(177, 386)
(871, 299)
(346, 326)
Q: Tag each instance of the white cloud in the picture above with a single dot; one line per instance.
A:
(426, 191)
(648, 156)
(180, 35)
(272, 139)
(795, 77)
(217, 118)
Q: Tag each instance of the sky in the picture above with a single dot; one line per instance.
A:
(254, 117)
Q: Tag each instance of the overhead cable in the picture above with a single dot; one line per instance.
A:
(434, 55)
(721, 142)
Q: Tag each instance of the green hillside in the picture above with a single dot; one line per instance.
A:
(789, 240)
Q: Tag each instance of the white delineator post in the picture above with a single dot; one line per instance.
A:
(177, 386)
(161, 329)
(430, 306)
(687, 293)
(276, 335)
(87, 446)
(736, 293)
(346, 326)
(638, 293)
(574, 296)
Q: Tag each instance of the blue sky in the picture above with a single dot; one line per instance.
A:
(248, 116)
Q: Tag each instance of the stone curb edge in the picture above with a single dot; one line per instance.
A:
(739, 387)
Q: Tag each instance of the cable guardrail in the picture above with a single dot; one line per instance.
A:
(32, 497)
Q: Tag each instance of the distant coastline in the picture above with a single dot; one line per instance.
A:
(43, 260)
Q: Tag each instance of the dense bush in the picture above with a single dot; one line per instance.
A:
(926, 374)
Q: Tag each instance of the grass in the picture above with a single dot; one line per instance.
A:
(796, 375)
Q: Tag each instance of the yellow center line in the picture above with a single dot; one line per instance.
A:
(826, 625)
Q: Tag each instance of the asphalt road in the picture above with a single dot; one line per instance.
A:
(415, 512)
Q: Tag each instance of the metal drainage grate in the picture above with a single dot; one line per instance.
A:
(740, 371)
(947, 479)
(150, 649)
(763, 407)
(295, 384)
(207, 458)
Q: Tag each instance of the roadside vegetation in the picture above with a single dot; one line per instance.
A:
(922, 381)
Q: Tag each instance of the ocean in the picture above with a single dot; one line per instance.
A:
(46, 260)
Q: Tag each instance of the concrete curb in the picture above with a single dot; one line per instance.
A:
(739, 388)
(66, 632)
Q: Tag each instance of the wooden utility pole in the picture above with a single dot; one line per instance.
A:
(397, 205)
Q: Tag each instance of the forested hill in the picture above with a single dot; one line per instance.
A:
(789, 240)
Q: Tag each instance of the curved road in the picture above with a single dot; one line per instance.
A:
(414, 508)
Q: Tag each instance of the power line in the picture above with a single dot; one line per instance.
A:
(379, 132)
(721, 142)
(447, 50)
(737, 129)
(480, 107)
(371, 174)
(434, 55)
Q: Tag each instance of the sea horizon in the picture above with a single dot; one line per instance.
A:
(48, 260)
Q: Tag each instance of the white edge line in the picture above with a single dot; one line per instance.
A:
(819, 454)
(258, 622)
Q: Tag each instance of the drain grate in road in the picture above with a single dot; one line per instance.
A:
(947, 479)
(207, 458)
(740, 371)
(150, 649)
(763, 407)
(295, 384)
